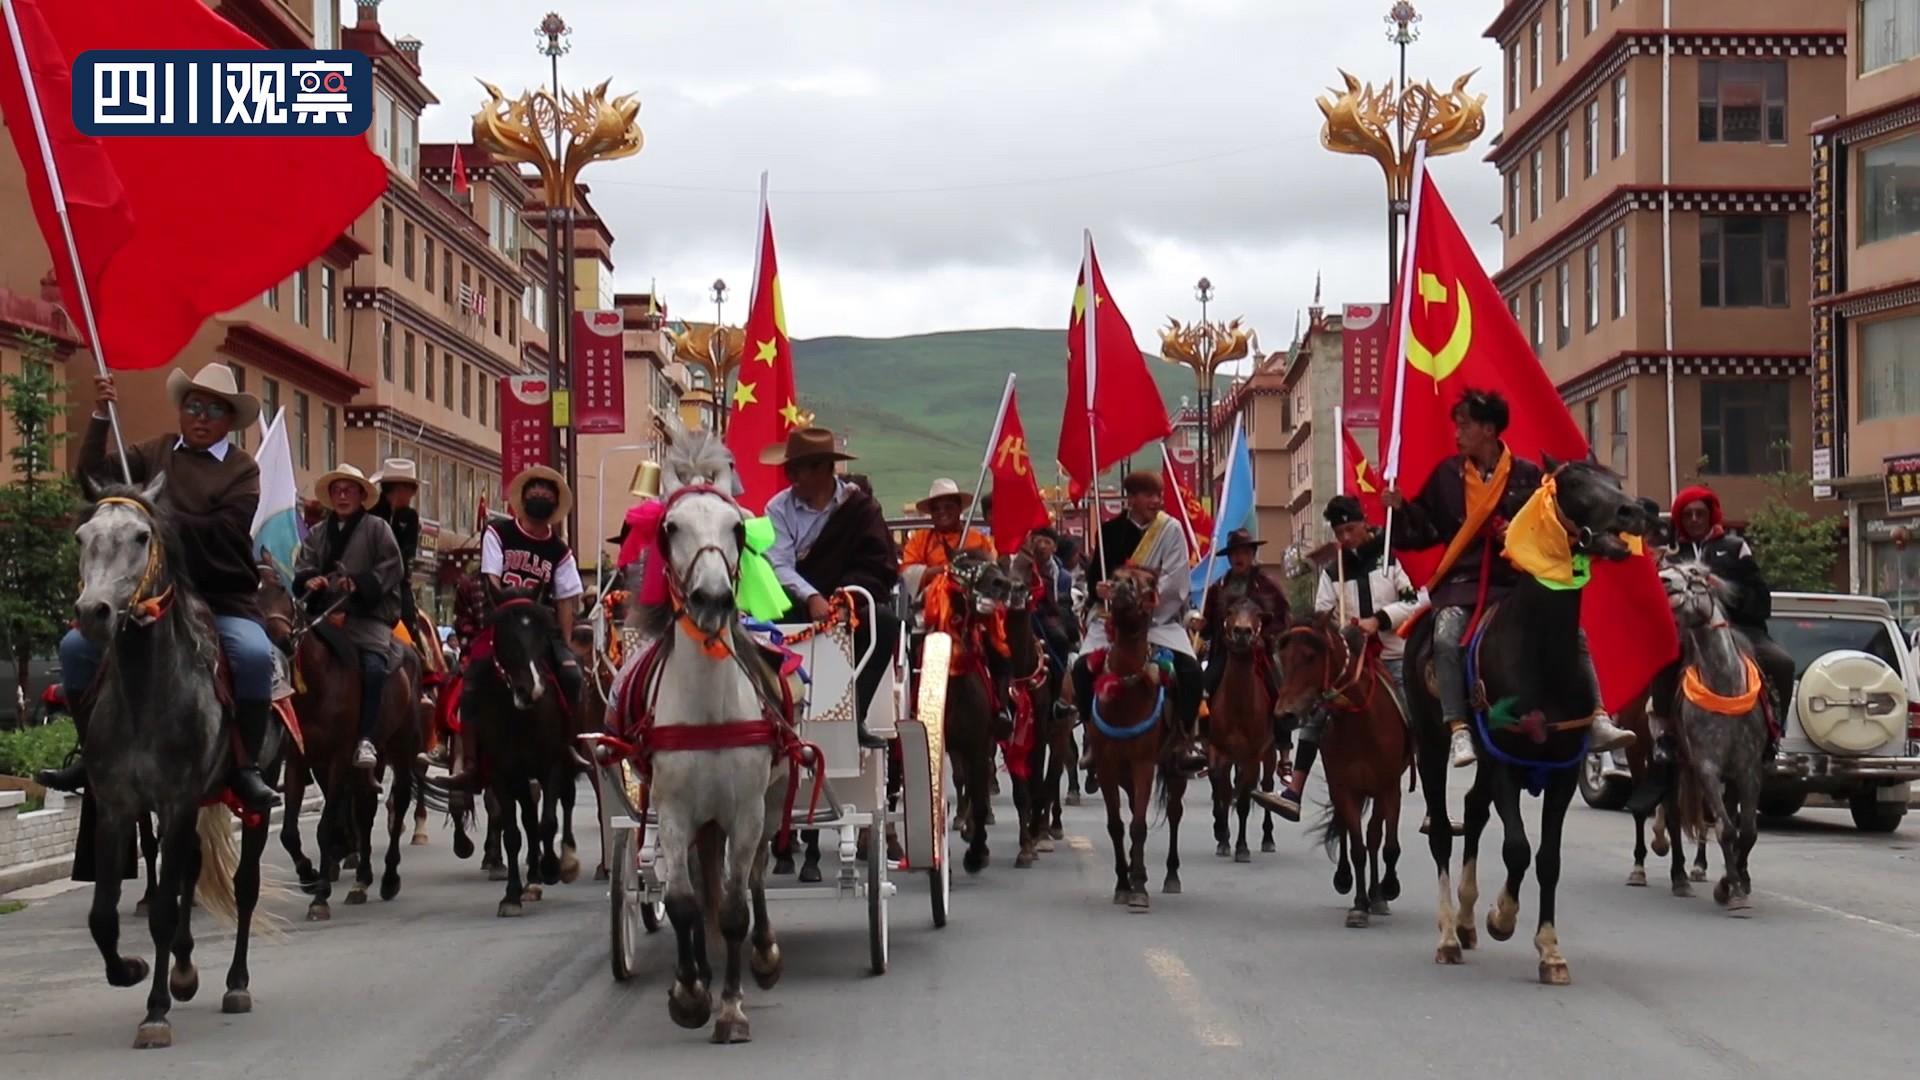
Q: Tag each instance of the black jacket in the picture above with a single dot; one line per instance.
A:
(405, 525)
(1732, 561)
(1435, 515)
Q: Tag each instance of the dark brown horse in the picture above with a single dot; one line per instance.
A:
(972, 593)
(1048, 741)
(1240, 748)
(1366, 750)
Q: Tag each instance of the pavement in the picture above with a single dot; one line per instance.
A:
(1248, 972)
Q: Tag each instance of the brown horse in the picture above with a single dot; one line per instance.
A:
(1133, 734)
(326, 673)
(1036, 779)
(1366, 749)
(963, 601)
(1240, 748)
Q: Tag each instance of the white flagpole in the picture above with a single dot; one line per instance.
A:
(1340, 488)
(1088, 314)
(1405, 318)
(66, 225)
(993, 440)
(1220, 501)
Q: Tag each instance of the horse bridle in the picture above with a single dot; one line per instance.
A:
(142, 609)
(1339, 678)
(676, 585)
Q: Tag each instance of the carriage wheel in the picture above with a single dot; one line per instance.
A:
(940, 880)
(629, 907)
(877, 912)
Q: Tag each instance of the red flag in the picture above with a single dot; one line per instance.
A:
(764, 409)
(170, 229)
(1361, 480)
(1454, 332)
(1124, 411)
(1018, 508)
(1183, 505)
(460, 185)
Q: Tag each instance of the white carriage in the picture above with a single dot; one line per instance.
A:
(853, 793)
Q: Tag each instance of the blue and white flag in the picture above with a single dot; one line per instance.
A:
(1233, 510)
(276, 524)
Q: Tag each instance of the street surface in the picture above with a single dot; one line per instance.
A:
(1249, 973)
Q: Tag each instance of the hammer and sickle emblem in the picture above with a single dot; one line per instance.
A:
(1015, 448)
(1443, 363)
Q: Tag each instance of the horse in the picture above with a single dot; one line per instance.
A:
(1525, 649)
(1033, 758)
(963, 601)
(1133, 736)
(157, 744)
(1240, 748)
(326, 676)
(1722, 735)
(1365, 748)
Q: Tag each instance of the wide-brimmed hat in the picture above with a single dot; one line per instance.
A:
(324, 485)
(943, 488)
(216, 380)
(1240, 538)
(397, 471)
(804, 444)
(540, 472)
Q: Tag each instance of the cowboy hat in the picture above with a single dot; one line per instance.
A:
(324, 486)
(397, 471)
(540, 472)
(215, 380)
(804, 444)
(1240, 538)
(943, 488)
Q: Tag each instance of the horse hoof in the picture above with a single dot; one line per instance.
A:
(1356, 920)
(549, 870)
(462, 846)
(1659, 846)
(766, 966)
(783, 865)
(419, 839)
(1121, 896)
(1137, 901)
(1023, 861)
(974, 862)
(509, 909)
(731, 1031)
(1342, 880)
(533, 894)
(1390, 889)
(1380, 907)
(1740, 906)
(1681, 889)
(990, 818)
(1555, 973)
(1699, 874)
(690, 1008)
(1449, 954)
(1496, 931)
(183, 982)
(1469, 937)
(1171, 888)
(1055, 832)
(237, 1002)
(600, 873)
(1242, 854)
(318, 911)
(153, 1035)
(809, 872)
(389, 886)
(496, 873)
(1043, 846)
(1073, 799)
(1637, 878)
(1267, 847)
(135, 969)
(569, 868)
(356, 896)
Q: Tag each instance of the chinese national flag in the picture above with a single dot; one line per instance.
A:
(1188, 511)
(170, 229)
(1459, 334)
(764, 409)
(1362, 480)
(1107, 382)
(460, 185)
(1018, 508)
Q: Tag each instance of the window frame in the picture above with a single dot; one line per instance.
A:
(1537, 302)
(1563, 304)
(1562, 30)
(1562, 162)
(1721, 262)
(1903, 396)
(1620, 283)
(1867, 201)
(1714, 433)
(1539, 170)
(1770, 108)
(1592, 273)
(1590, 160)
(1621, 102)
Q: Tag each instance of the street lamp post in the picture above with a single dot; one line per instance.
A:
(1204, 347)
(554, 40)
(716, 348)
(1203, 292)
(1403, 20)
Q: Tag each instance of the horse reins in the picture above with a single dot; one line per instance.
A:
(142, 609)
(1339, 680)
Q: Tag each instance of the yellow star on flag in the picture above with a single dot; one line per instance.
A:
(743, 395)
(791, 414)
(766, 350)
(1080, 302)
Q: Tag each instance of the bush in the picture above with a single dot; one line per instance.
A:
(27, 751)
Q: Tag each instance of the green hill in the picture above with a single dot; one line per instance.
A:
(918, 407)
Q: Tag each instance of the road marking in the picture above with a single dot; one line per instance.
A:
(1185, 992)
(1808, 905)
(1079, 843)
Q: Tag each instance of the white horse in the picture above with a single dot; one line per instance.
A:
(712, 747)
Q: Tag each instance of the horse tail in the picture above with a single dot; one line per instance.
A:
(219, 860)
(1327, 826)
(1697, 796)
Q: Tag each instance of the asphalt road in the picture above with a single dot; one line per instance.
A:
(1249, 972)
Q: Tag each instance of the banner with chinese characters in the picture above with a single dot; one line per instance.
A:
(1363, 350)
(599, 386)
(1902, 478)
(525, 424)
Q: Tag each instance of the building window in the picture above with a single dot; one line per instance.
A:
(1538, 328)
(1619, 116)
(1890, 368)
(1743, 101)
(446, 380)
(1563, 280)
(1591, 413)
(406, 250)
(1617, 454)
(1563, 24)
(1513, 308)
(406, 137)
(1743, 261)
(386, 234)
(271, 298)
(1743, 426)
(302, 442)
(238, 436)
(327, 328)
(1593, 285)
(1539, 53)
(383, 124)
(1890, 188)
(1513, 203)
(466, 390)
(1514, 60)
(302, 308)
(1562, 162)
(406, 361)
(486, 395)
(1619, 271)
(496, 310)
(446, 276)
(1591, 163)
(1593, 15)
(427, 363)
(1539, 182)
(513, 330)
(330, 435)
(386, 350)
(1889, 33)
(269, 399)
(429, 264)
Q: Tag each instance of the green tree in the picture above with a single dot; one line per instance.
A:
(1796, 550)
(38, 557)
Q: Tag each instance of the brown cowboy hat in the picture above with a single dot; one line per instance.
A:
(1240, 538)
(805, 444)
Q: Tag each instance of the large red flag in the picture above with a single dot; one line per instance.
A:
(1113, 404)
(764, 405)
(1184, 506)
(1454, 332)
(171, 229)
(1018, 507)
(1360, 479)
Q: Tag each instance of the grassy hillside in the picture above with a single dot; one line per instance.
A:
(914, 408)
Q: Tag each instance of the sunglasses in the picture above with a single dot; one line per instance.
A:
(207, 410)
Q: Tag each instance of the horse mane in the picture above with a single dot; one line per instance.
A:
(700, 457)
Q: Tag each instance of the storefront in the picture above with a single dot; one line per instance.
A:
(1889, 556)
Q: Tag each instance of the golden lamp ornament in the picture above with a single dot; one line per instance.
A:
(522, 130)
(1369, 122)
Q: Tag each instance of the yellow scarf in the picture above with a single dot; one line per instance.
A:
(1483, 498)
(1537, 540)
(1150, 539)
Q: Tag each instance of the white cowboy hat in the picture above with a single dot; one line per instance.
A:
(397, 471)
(216, 380)
(944, 488)
(540, 472)
(324, 486)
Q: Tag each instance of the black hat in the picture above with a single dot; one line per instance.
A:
(1240, 538)
(1344, 510)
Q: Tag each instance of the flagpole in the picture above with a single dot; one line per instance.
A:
(1340, 488)
(993, 440)
(1180, 499)
(1404, 317)
(1088, 314)
(1220, 500)
(66, 225)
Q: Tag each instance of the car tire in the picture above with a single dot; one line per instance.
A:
(1783, 804)
(1600, 791)
(1870, 815)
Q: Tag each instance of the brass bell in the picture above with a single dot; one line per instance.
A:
(646, 480)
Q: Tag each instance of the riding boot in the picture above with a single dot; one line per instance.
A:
(252, 718)
(373, 685)
(71, 776)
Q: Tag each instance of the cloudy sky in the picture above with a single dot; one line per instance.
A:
(933, 161)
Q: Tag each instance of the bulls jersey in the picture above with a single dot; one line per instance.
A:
(523, 562)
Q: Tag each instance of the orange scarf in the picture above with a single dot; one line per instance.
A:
(1483, 498)
(1739, 705)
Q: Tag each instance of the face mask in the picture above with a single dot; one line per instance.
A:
(539, 509)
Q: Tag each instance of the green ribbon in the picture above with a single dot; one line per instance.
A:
(1582, 573)
(759, 593)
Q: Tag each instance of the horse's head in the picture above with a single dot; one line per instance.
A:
(987, 587)
(1240, 630)
(1024, 582)
(1695, 593)
(523, 632)
(1311, 654)
(276, 605)
(1595, 509)
(702, 535)
(1134, 594)
(125, 548)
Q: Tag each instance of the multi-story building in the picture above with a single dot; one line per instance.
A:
(652, 399)
(1866, 301)
(1656, 221)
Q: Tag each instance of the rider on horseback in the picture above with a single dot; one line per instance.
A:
(212, 491)
(353, 560)
(399, 484)
(935, 548)
(1244, 580)
(1465, 505)
(1053, 607)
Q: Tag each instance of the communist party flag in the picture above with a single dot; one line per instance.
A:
(764, 409)
(169, 229)
(1018, 507)
(1113, 405)
(1453, 332)
(1184, 505)
(1360, 479)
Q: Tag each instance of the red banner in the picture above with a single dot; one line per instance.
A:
(1186, 472)
(599, 383)
(1363, 351)
(526, 424)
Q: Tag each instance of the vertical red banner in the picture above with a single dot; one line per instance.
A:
(599, 383)
(526, 421)
(1363, 352)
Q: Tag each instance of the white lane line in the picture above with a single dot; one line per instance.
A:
(1808, 905)
(1179, 984)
